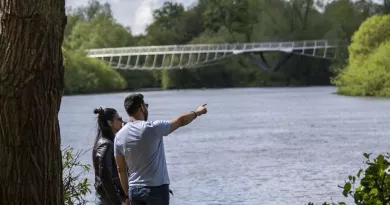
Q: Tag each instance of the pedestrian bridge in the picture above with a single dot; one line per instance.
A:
(201, 55)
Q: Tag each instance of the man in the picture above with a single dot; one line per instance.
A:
(139, 152)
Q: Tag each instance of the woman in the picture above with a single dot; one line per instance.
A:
(107, 183)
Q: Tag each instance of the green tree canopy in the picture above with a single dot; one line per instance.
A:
(367, 71)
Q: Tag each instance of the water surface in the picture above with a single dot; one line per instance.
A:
(267, 146)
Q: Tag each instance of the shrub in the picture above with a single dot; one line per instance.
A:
(367, 71)
(367, 78)
(374, 185)
(88, 75)
(371, 33)
(75, 186)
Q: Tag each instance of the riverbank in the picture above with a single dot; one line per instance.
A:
(189, 89)
(115, 91)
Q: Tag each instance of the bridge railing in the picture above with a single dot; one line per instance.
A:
(214, 47)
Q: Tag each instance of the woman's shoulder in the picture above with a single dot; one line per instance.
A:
(103, 142)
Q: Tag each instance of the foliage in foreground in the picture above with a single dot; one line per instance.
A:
(374, 185)
(75, 185)
(367, 73)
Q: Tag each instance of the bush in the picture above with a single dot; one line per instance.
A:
(374, 186)
(371, 33)
(367, 71)
(368, 78)
(75, 186)
(88, 75)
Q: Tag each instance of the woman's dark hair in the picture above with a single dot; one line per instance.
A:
(104, 129)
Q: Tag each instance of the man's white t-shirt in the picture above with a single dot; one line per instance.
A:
(141, 144)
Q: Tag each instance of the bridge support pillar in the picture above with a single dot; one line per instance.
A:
(263, 63)
(128, 62)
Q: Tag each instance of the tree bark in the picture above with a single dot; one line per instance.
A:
(31, 85)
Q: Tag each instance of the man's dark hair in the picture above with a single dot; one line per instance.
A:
(133, 102)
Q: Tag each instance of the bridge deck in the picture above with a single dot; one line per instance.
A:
(288, 46)
(198, 55)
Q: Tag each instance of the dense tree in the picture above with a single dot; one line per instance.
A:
(165, 29)
(87, 75)
(92, 26)
(367, 71)
(31, 85)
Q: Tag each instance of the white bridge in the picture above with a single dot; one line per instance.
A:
(200, 55)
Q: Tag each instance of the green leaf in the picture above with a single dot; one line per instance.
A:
(359, 172)
(345, 193)
(367, 156)
(347, 187)
(380, 160)
(373, 191)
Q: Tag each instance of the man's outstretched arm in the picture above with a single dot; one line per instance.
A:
(187, 118)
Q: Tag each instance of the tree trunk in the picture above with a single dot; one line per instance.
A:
(31, 84)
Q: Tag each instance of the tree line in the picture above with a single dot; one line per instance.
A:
(213, 21)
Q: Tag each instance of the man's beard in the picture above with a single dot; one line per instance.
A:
(146, 115)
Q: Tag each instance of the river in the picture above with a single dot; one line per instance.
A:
(268, 146)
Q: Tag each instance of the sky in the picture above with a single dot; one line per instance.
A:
(134, 13)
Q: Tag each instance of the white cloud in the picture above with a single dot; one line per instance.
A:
(143, 15)
(134, 13)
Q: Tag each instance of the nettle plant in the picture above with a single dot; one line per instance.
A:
(76, 185)
(374, 185)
